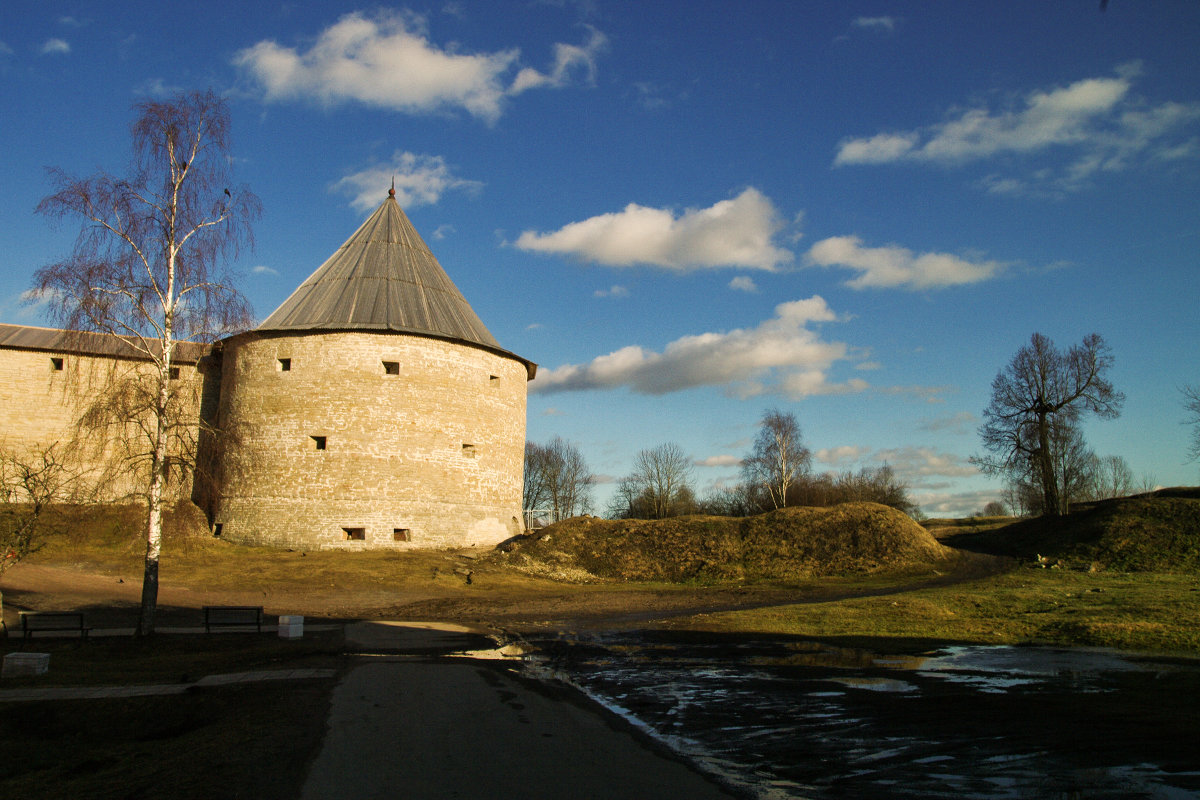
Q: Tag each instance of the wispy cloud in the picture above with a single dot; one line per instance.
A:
(420, 180)
(883, 24)
(569, 60)
(954, 504)
(893, 266)
(1096, 124)
(840, 456)
(783, 355)
(743, 283)
(386, 59)
(732, 233)
(962, 422)
(612, 291)
(719, 461)
(263, 269)
(917, 465)
(52, 47)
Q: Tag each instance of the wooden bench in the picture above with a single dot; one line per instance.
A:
(53, 621)
(232, 617)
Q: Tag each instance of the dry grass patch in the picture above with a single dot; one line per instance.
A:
(1149, 612)
(785, 545)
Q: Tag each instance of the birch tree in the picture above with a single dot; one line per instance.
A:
(150, 268)
(779, 456)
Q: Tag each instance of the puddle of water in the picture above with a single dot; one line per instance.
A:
(964, 721)
(874, 684)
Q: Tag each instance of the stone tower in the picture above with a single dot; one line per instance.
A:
(372, 409)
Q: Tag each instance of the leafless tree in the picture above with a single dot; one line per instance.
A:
(1191, 402)
(778, 458)
(1111, 476)
(38, 490)
(1040, 387)
(557, 479)
(150, 268)
(660, 485)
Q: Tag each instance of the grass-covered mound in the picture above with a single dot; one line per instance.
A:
(1156, 532)
(780, 545)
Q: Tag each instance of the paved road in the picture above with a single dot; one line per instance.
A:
(405, 728)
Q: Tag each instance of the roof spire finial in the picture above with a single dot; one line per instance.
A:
(392, 191)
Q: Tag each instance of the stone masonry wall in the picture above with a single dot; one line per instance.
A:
(366, 440)
(43, 393)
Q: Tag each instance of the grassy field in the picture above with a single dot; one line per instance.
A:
(1154, 612)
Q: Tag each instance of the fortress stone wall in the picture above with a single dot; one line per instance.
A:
(47, 383)
(361, 439)
(372, 409)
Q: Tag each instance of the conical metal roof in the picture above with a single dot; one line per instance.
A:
(384, 278)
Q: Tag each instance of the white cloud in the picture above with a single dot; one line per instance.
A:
(263, 269)
(954, 504)
(55, 47)
(719, 461)
(157, 87)
(845, 454)
(894, 266)
(915, 465)
(568, 60)
(782, 355)
(420, 180)
(386, 59)
(442, 231)
(612, 291)
(1097, 124)
(731, 233)
(929, 394)
(887, 24)
(743, 283)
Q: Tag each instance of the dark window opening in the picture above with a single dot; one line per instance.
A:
(355, 534)
(173, 372)
(468, 451)
(217, 530)
(56, 364)
(285, 365)
(401, 535)
(319, 441)
(391, 368)
(494, 380)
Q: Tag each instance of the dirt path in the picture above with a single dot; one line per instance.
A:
(111, 599)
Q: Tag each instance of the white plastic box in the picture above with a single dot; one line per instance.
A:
(291, 626)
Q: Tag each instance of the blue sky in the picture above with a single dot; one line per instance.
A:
(690, 213)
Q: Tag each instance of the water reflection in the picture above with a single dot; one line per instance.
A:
(786, 718)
